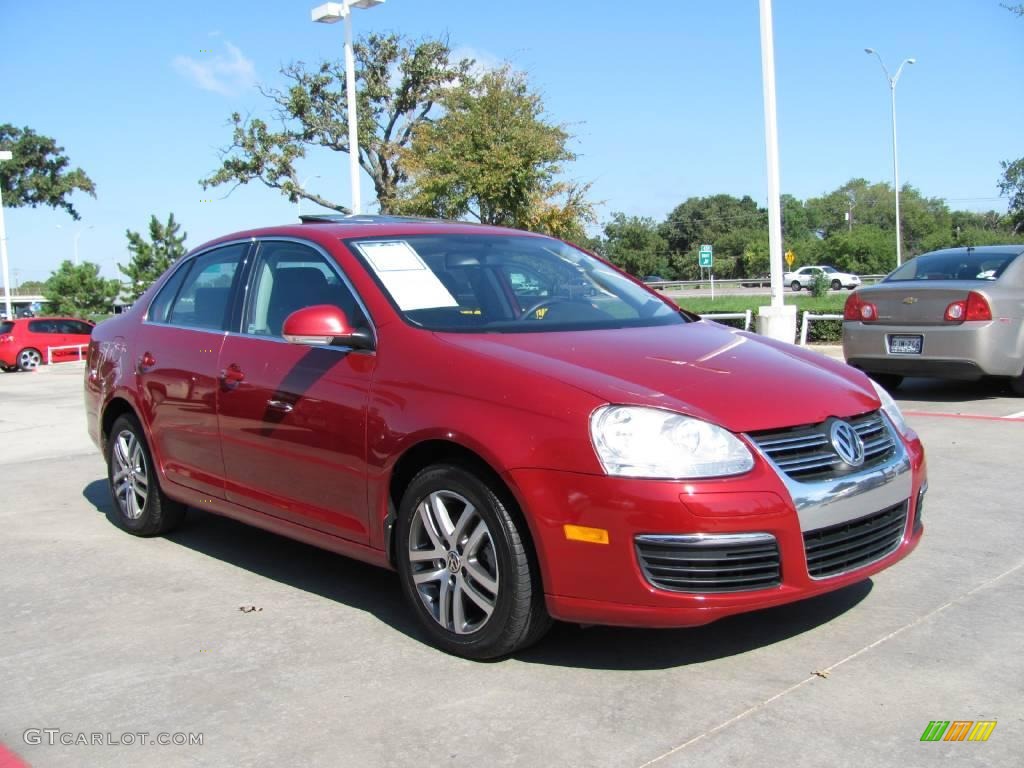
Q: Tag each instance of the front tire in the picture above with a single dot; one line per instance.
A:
(29, 359)
(466, 566)
(836, 285)
(140, 506)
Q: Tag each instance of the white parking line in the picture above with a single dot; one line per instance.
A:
(811, 678)
(1017, 415)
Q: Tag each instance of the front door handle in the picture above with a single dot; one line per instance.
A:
(280, 405)
(231, 376)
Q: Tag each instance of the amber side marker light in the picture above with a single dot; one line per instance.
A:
(583, 533)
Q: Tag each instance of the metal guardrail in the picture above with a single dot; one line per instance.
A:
(50, 350)
(756, 282)
(808, 318)
(744, 316)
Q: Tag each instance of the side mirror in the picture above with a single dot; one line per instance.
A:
(323, 325)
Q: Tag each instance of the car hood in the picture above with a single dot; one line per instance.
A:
(739, 380)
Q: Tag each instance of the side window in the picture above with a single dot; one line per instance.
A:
(161, 305)
(205, 295)
(78, 327)
(289, 276)
(41, 326)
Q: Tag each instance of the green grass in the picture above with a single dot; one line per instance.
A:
(823, 332)
(831, 304)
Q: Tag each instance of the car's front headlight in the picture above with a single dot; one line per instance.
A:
(891, 409)
(634, 441)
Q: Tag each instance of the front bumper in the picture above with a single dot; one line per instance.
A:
(966, 351)
(594, 583)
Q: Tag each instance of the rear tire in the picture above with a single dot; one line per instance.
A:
(29, 359)
(467, 569)
(1017, 385)
(888, 381)
(140, 506)
(795, 285)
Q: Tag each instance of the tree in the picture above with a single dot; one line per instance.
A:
(151, 259)
(701, 220)
(634, 244)
(875, 205)
(398, 84)
(32, 286)
(494, 157)
(38, 173)
(79, 290)
(866, 250)
(1011, 184)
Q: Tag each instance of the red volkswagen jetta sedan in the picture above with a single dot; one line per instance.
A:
(519, 429)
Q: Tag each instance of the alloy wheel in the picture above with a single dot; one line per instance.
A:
(130, 478)
(454, 562)
(29, 359)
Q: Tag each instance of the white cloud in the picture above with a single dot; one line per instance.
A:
(224, 73)
(484, 61)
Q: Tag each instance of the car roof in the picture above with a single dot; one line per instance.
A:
(327, 228)
(983, 250)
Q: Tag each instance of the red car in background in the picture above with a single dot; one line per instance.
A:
(519, 429)
(25, 343)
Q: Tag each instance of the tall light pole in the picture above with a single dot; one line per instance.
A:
(5, 155)
(893, 79)
(331, 13)
(777, 321)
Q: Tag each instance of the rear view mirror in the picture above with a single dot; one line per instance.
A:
(323, 325)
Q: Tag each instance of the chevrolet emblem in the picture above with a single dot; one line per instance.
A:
(910, 300)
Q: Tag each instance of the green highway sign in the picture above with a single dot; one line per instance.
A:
(704, 259)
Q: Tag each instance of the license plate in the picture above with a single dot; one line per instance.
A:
(905, 345)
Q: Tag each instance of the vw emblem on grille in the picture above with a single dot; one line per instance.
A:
(847, 443)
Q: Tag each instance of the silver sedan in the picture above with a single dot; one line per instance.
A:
(951, 314)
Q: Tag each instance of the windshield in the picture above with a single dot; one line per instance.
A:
(828, 269)
(506, 284)
(953, 265)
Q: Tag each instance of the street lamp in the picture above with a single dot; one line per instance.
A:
(331, 13)
(895, 158)
(5, 155)
(78, 234)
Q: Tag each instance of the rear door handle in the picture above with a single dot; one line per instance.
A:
(231, 376)
(280, 405)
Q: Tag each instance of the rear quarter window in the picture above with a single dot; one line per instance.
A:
(7, 326)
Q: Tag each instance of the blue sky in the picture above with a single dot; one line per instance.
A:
(664, 98)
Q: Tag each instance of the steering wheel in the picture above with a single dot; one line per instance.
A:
(542, 304)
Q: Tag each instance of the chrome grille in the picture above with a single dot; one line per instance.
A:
(854, 544)
(710, 562)
(806, 453)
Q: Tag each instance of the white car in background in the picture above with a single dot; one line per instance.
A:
(804, 278)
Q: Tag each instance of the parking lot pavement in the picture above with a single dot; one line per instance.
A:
(104, 633)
